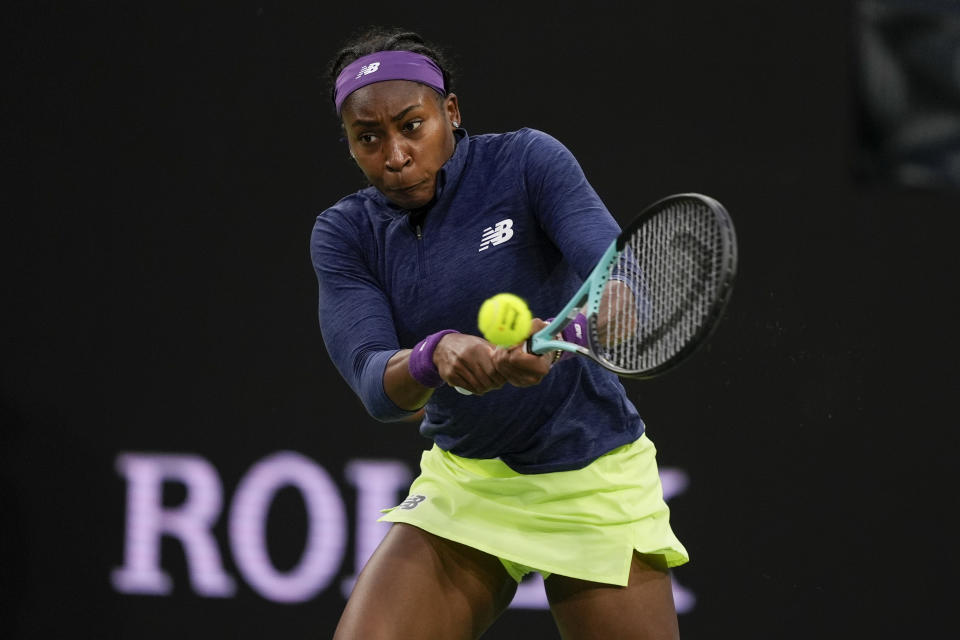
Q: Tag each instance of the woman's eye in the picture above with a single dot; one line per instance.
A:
(367, 138)
(413, 125)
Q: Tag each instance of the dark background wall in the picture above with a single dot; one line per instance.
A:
(164, 166)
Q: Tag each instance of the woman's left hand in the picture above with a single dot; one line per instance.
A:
(523, 369)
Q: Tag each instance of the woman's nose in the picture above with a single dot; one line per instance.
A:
(397, 156)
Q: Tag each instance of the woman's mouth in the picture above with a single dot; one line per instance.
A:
(409, 188)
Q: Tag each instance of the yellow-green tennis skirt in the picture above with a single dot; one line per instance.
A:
(584, 523)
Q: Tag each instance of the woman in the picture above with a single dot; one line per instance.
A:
(546, 466)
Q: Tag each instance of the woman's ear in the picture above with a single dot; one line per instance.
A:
(453, 110)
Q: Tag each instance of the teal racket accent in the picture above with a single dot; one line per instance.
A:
(590, 293)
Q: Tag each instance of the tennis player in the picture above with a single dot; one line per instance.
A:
(546, 467)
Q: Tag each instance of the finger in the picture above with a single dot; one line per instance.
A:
(490, 377)
(536, 325)
(522, 369)
(520, 357)
(478, 379)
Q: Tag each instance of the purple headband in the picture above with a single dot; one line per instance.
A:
(387, 65)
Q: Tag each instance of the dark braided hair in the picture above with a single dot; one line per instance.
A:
(377, 38)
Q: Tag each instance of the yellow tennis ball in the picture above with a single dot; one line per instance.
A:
(505, 319)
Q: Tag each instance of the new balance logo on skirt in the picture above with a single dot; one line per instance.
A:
(412, 501)
(497, 234)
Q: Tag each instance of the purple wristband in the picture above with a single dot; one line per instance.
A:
(575, 332)
(421, 360)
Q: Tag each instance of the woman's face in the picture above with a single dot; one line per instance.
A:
(400, 134)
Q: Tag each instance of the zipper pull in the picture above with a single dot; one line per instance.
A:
(419, 232)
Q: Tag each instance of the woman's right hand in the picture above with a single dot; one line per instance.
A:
(467, 362)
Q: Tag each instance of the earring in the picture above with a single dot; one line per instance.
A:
(456, 125)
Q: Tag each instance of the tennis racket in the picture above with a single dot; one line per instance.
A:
(657, 293)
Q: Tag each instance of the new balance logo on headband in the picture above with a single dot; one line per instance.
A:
(497, 234)
(367, 69)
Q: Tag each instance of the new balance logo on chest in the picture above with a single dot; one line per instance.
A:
(497, 234)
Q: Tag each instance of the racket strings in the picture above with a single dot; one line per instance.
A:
(661, 288)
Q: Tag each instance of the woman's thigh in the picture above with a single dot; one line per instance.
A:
(643, 609)
(418, 585)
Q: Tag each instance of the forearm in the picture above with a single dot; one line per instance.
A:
(400, 386)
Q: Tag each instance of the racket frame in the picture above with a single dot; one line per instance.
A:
(591, 292)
